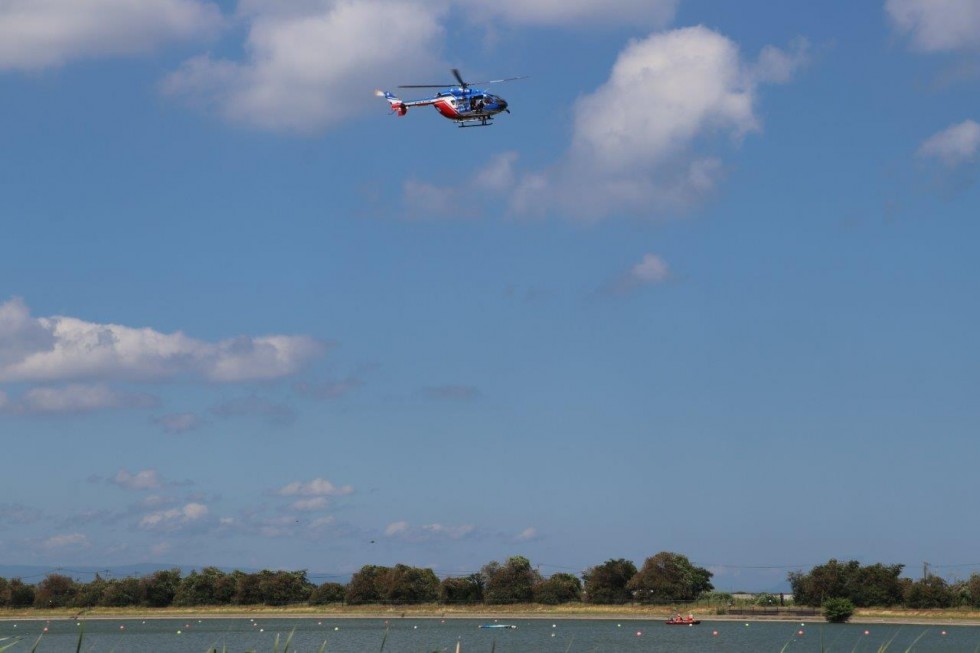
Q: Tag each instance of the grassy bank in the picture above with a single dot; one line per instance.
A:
(522, 611)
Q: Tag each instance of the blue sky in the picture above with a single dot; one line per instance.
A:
(710, 287)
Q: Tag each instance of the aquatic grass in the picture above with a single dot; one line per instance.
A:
(916, 641)
(884, 647)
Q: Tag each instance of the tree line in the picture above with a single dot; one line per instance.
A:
(664, 578)
(880, 585)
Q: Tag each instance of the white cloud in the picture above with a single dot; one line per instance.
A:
(527, 535)
(65, 541)
(425, 201)
(652, 269)
(307, 65)
(161, 548)
(396, 528)
(318, 487)
(427, 532)
(954, 145)
(72, 398)
(174, 518)
(452, 532)
(648, 13)
(62, 348)
(313, 503)
(146, 479)
(636, 139)
(36, 34)
(937, 25)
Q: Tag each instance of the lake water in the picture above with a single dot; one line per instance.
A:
(531, 636)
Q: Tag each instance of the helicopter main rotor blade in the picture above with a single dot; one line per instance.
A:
(506, 79)
(459, 78)
(423, 85)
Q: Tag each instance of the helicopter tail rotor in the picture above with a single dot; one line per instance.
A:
(396, 104)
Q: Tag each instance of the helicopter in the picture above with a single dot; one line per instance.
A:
(463, 104)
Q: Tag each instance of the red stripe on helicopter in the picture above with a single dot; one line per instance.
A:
(445, 107)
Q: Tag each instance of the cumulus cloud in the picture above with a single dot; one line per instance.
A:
(146, 479)
(527, 535)
(954, 145)
(937, 25)
(174, 518)
(684, 86)
(427, 532)
(37, 34)
(649, 13)
(311, 504)
(64, 348)
(65, 541)
(451, 532)
(318, 487)
(396, 528)
(649, 155)
(650, 270)
(306, 62)
(72, 398)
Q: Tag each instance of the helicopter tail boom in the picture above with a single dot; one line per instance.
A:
(396, 104)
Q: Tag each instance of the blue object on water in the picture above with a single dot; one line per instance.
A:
(497, 626)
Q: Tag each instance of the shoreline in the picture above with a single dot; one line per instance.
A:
(866, 616)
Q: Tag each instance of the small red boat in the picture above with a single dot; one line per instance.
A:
(682, 621)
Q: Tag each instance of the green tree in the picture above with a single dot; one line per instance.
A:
(19, 594)
(462, 590)
(210, 586)
(973, 590)
(668, 578)
(404, 584)
(246, 588)
(284, 587)
(876, 585)
(160, 587)
(364, 586)
(327, 593)
(90, 594)
(55, 591)
(827, 581)
(4, 592)
(511, 582)
(558, 588)
(606, 583)
(838, 610)
(871, 585)
(929, 592)
(122, 592)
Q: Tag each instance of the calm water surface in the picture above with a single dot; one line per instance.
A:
(427, 635)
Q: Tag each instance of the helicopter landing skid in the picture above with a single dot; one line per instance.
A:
(476, 123)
